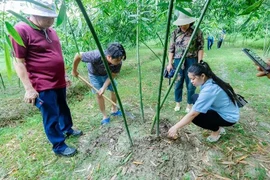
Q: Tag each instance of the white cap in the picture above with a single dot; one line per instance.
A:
(184, 19)
(37, 10)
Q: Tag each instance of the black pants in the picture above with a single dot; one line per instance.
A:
(210, 120)
(219, 43)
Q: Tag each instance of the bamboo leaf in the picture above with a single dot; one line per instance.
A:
(23, 19)
(163, 4)
(14, 34)
(8, 40)
(183, 11)
(62, 14)
(7, 59)
(179, 1)
(251, 8)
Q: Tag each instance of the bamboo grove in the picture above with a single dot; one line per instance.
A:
(136, 22)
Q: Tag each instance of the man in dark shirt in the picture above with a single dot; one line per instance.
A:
(40, 66)
(115, 53)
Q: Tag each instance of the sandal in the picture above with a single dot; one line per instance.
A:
(187, 110)
(105, 121)
(213, 138)
(177, 108)
(222, 131)
(117, 113)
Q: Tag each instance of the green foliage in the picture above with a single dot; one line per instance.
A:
(251, 8)
(14, 34)
(7, 58)
(62, 14)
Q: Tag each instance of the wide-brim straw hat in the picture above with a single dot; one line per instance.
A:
(38, 10)
(184, 19)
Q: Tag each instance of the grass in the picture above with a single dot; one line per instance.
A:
(104, 152)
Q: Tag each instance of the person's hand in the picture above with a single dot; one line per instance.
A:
(172, 133)
(68, 81)
(169, 67)
(75, 73)
(261, 72)
(30, 96)
(101, 91)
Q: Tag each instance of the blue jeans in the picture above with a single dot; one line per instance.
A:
(210, 42)
(183, 76)
(56, 117)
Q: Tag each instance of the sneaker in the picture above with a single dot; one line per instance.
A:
(117, 113)
(105, 121)
(75, 133)
(177, 108)
(68, 152)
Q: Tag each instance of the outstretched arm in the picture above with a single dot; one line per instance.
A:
(183, 122)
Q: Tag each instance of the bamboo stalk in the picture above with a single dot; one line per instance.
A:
(163, 62)
(139, 60)
(152, 51)
(88, 21)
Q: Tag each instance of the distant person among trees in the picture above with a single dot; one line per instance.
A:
(40, 66)
(178, 44)
(222, 36)
(98, 76)
(215, 106)
(261, 72)
(210, 41)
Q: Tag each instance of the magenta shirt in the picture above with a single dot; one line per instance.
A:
(43, 60)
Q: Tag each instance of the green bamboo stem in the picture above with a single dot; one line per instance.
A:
(163, 62)
(156, 117)
(152, 51)
(162, 44)
(88, 21)
(138, 59)
(73, 35)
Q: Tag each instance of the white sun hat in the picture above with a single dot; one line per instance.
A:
(37, 10)
(184, 19)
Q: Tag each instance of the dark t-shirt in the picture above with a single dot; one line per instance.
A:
(43, 60)
(95, 64)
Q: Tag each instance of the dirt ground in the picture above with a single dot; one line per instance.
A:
(151, 157)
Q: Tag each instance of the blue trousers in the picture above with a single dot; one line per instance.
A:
(183, 76)
(210, 42)
(56, 116)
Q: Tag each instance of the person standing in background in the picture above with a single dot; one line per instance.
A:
(221, 38)
(210, 41)
(178, 44)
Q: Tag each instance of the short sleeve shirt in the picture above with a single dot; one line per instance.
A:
(212, 97)
(44, 61)
(95, 64)
(179, 42)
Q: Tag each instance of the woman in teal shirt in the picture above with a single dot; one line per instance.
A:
(214, 107)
